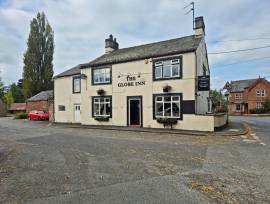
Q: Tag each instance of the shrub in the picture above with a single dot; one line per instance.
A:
(257, 111)
(21, 116)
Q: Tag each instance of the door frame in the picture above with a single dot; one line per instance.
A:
(140, 98)
(74, 110)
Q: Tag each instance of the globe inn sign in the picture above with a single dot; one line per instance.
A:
(153, 86)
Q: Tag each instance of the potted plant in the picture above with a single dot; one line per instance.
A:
(100, 92)
(166, 88)
(167, 121)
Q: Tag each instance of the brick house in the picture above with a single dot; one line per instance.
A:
(17, 108)
(43, 101)
(246, 95)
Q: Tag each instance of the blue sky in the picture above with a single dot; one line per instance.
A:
(80, 27)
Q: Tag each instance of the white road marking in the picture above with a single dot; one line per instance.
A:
(263, 144)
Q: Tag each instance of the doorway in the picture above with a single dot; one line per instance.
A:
(77, 113)
(134, 111)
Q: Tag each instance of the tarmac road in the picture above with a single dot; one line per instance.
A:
(40, 163)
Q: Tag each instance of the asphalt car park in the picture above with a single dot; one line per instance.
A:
(44, 163)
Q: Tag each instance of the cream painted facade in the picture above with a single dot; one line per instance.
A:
(186, 86)
(132, 79)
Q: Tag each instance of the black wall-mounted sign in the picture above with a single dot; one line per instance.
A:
(203, 83)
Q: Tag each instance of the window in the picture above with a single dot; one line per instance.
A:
(238, 107)
(167, 106)
(166, 69)
(260, 92)
(209, 105)
(101, 75)
(238, 96)
(102, 106)
(259, 105)
(76, 84)
(61, 108)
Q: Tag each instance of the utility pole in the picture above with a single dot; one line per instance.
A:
(192, 9)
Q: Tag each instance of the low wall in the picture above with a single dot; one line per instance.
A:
(220, 120)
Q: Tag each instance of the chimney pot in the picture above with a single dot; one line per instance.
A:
(111, 44)
(199, 26)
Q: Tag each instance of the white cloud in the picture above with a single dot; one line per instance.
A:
(80, 27)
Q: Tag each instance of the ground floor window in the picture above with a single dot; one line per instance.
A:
(167, 106)
(238, 107)
(259, 105)
(102, 106)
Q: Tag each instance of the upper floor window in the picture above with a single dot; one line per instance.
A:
(101, 75)
(76, 84)
(167, 106)
(238, 96)
(102, 106)
(167, 68)
(261, 92)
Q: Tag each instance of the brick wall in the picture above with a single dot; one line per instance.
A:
(252, 98)
(37, 105)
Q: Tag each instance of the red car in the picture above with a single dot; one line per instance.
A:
(38, 115)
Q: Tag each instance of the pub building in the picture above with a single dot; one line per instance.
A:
(158, 85)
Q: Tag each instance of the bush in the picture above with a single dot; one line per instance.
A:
(21, 116)
(257, 111)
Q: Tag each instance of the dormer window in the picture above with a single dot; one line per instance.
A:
(169, 68)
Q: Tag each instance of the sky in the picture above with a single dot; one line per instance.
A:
(81, 26)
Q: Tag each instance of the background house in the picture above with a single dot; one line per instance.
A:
(17, 108)
(43, 101)
(247, 95)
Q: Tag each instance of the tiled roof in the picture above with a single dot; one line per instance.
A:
(17, 107)
(73, 71)
(163, 48)
(42, 96)
(241, 85)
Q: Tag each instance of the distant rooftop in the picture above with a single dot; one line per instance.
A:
(42, 96)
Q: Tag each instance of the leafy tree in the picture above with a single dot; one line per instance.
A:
(8, 98)
(218, 101)
(1, 89)
(17, 93)
(266, 105)
(38, 58)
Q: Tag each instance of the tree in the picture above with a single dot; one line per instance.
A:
(8, 98)
(218, 101)
(38, 58)
(1, 89)
(266, 105)
(17, 93)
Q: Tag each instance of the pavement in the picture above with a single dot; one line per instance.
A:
(41, 163)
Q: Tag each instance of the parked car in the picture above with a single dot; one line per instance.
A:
(38, 115)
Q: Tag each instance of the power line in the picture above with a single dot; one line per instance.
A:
(239, 40)
(242, 50)
(241, 62)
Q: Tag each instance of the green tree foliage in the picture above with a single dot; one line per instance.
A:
(8, 98)
(218, 101)
(38, 58)
(17, 93)
(1, 89)
(266, 105)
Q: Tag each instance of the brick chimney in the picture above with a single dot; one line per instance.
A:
(111, 44)
(199, 26)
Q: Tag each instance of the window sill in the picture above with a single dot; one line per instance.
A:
(163, 79)
(102, 118)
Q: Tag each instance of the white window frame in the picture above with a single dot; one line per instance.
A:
(240, 107)
(102, 101)
(260, 92)
(259, 105)
(163, 102)
(102, 79)
(74, 85)
(160, 64)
